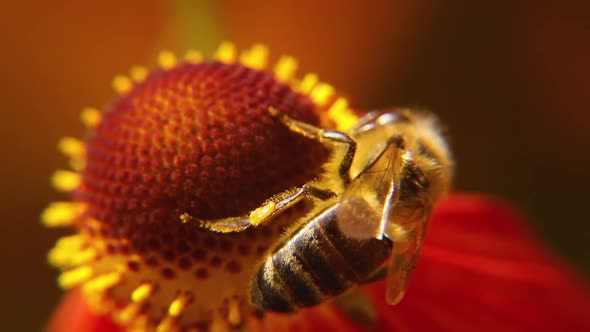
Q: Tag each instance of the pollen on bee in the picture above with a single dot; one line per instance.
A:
(122, 84)
(138, 73)
(90, 117)
(285, 68)
(261, 213)
(193, 56)
(226, 52)
(65, 180)
(167, 60)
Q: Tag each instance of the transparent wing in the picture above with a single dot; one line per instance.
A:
(406, 228)
(366, 203)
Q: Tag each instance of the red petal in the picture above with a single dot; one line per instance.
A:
(74, 315)
(482, 270)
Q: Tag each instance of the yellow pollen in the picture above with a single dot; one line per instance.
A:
(233, 315)
(260, 214)
(308, 82)
(65, 257)
(61, 213)
(321, 93)
(75, 277)
(103, 282)
(218, 324)
(142, 292)
(65, 180)
(167, 325)
(128, 314)
(255, 57)
(226, 52)
(193, 56)
(342, 115)
(285, 68)
(90, 117)
(122, 84)
(167, 60)
(71, 147)
(74, 149)
(177, 306)
(138, 73)
(72, 242)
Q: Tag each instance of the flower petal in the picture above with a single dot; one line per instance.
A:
(481, 269)
(73, 314)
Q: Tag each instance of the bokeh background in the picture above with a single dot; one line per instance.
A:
(510, 79)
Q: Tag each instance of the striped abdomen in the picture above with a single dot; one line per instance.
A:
(316, 263)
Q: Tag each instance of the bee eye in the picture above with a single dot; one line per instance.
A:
(413, 181)
(419, 179)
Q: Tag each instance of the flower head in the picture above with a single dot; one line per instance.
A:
(192, 138)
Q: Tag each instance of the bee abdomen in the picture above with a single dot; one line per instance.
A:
(315, 264)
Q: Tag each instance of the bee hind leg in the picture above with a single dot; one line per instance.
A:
(264, 213)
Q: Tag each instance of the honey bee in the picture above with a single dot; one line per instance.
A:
(370, 211)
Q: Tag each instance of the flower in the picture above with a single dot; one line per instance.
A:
(194, 141)
(480, 269)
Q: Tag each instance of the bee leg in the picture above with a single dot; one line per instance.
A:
(265, 212)
(342, 145)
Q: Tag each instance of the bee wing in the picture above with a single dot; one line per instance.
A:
(366, 203)
(406, 228)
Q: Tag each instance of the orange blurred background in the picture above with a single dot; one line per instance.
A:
(511, 81)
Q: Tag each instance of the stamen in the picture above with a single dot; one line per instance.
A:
(167, 60)
(74, 149)
(226, 52)
(128, 314)
(168, 324)
(342, 115)
(308, 82)
(321, 93)
(122, 84)
(90, 117)
(64, 257)
(285, 68)
(142, 292)
(103, 282)
(75, 277)
(65, 180)
(255, 57)
(178, 305)
(59, 214)
(193, 56)
(72, 242)
(234, 315)
(138, 73)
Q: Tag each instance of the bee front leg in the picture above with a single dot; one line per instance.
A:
(342, 145)
(264, 213)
